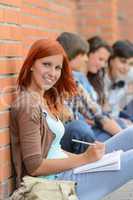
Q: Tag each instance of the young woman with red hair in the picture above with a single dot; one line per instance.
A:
(36, 130)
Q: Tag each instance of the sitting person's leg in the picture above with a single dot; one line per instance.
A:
(96, 185)
(123, 140)
(122, 122)
(101, 135)
(127, 112)
(79, 130)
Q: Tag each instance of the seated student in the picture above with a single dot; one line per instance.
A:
(127, 112)
(96, 72)
(76, 49)
(36, 129)
(129, 77)
(98, 56)
(116, 77)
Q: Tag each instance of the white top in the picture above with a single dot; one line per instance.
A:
(57, 127)
(116, 97)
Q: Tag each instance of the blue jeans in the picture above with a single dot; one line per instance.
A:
(94, 186)
(80, 130)
(127, 112)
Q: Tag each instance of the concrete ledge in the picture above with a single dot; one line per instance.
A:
(124, 193)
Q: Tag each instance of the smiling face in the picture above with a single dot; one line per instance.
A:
(98, 60)
(119, 68)
(46, 72)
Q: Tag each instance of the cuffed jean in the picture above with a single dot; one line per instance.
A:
(127, 112)
(94, 186)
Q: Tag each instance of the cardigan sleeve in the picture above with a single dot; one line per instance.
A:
(28, 121)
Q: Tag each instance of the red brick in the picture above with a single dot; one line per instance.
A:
(16, 3)
(12, 16)
(125, 22)
(10, 66)
(6, 100)
(5, 171)
(7, 84)
(5, 156)
(11, 32)
(1, 15)
(4, 137)
(4, 119)
(10, 49)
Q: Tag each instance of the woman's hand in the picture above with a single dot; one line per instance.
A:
(50, 166)
(96, 152)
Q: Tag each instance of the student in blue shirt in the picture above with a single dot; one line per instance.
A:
(76, 48)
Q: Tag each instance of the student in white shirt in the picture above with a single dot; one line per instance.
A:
(116, 77)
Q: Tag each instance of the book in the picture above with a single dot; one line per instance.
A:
(109, 162)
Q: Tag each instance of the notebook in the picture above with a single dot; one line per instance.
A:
(109, 162)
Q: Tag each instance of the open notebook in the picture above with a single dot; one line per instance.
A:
(109, 162)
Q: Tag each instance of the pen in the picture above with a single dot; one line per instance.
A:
(80, 141)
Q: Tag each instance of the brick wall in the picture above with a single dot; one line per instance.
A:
(10, 59)
(98, 17)
(125, 16)
(111, 19)
(47, 19)
(24, 21)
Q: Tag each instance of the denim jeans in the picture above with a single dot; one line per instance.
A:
(80, 130)
(127, 112)
(96, 185)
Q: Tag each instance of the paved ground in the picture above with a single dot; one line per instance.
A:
(124, 193)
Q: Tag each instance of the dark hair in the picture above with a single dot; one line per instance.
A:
(73, 44)
(96, 43)
(97, 80)
(122, 49)
(43, 48)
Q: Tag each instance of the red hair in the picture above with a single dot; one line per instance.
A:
(65, 84)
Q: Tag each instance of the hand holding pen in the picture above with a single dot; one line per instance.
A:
(95, 151)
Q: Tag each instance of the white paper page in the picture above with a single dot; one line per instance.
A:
(109, 161)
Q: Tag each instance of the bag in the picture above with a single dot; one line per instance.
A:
(34, 188)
